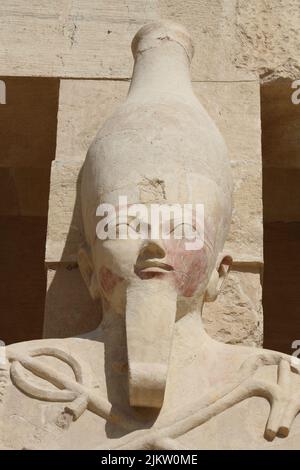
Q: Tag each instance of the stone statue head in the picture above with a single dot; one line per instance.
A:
(159, 148)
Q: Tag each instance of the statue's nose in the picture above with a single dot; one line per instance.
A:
(151, 261)
(151, 250)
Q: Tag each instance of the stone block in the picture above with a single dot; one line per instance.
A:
(235, 108)
(212, 24)
(91, 39)
(64, 229)
(236, 316)
(71, 39)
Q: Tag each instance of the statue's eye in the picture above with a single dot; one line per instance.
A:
(137, 227)
(121, 227)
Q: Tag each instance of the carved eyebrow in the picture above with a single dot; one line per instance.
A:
(175, 221)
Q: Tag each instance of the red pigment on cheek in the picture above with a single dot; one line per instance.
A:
(108, 280)
(189, 266)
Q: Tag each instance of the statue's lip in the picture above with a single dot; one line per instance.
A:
(153, 266)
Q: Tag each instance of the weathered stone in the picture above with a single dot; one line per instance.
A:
(71, 39)
(267, 38)
(64, 226)
(213, 26)
(234, 40)
(84, 105)
(236, 316)
(235, 108)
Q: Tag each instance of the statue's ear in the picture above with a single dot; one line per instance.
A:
(87, 271)
(218, 277)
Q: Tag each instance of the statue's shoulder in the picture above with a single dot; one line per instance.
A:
(259, 410)
(76, 346)
(41, 386)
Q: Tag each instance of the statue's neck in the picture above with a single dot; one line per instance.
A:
(164, 69)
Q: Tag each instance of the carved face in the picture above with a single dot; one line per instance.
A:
(159, 259)
(171, 249)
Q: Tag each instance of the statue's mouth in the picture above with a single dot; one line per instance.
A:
(151, 267)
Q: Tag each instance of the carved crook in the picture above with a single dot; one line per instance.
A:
(81, 396)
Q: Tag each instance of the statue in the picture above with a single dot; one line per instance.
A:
(149, 377)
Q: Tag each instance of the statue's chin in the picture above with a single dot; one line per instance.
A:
(150, 319)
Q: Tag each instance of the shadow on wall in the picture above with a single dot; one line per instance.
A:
(281, 201)
(69, 308)
(28, 122)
